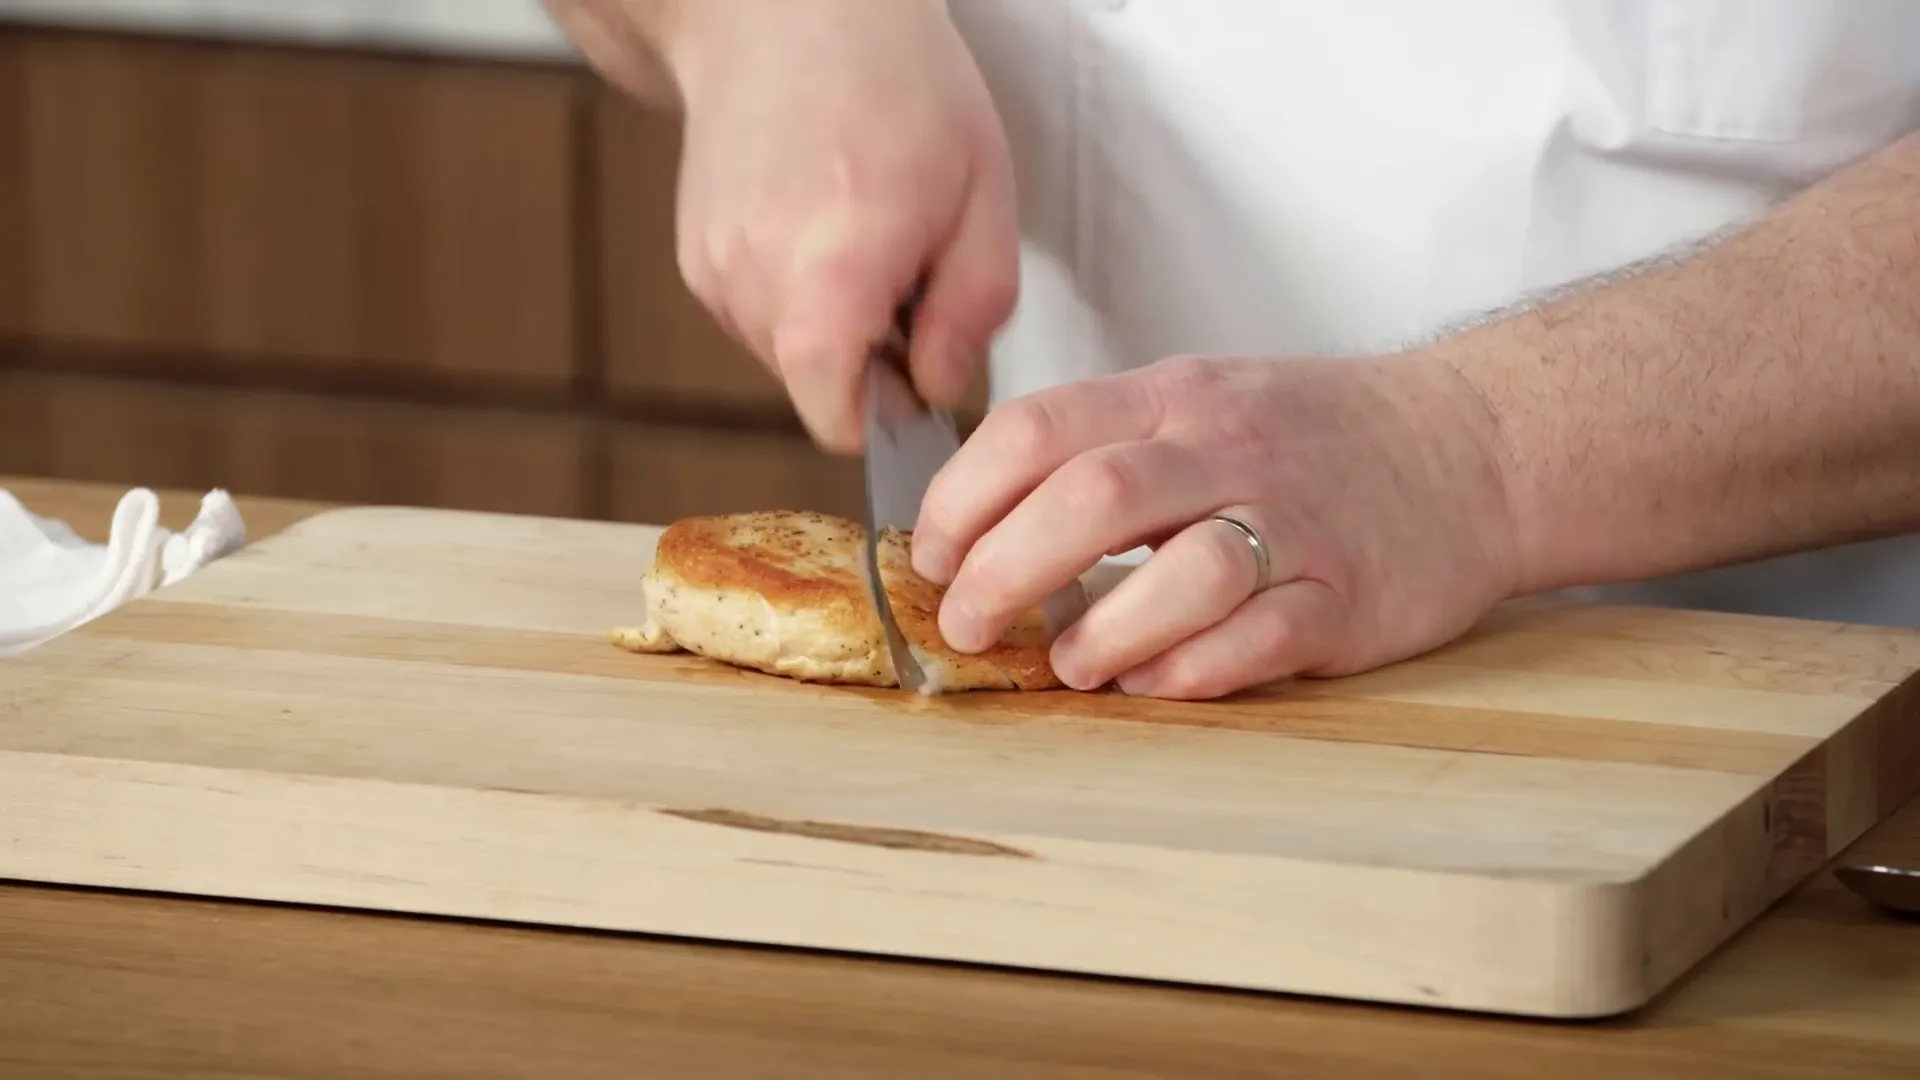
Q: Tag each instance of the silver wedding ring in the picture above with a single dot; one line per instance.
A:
(1262, 561)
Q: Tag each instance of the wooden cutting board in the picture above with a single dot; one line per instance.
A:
(418, 711)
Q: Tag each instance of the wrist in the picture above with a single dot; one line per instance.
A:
(672, 31)
(706, 44)
(691, 40)
(1482, 369)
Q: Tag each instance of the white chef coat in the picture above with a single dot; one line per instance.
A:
(1304, 177)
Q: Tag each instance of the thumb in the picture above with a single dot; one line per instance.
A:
(849, 273)
(971, 291)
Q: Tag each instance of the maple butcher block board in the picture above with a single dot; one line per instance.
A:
(418, 711)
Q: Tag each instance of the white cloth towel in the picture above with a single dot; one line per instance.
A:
(51, 580)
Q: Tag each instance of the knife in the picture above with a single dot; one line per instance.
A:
(907, 443)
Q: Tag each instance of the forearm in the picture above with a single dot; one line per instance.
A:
(1760, 397)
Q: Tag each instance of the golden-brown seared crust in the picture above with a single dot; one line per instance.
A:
(794, 560)
(784, 592)
(1017, 662)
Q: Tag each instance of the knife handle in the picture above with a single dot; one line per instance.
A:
(895, 348)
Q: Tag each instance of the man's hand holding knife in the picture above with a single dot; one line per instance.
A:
(1309, 516)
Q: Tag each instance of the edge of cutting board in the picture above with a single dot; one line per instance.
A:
(1569, 949)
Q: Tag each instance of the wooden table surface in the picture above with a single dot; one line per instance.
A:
(95, 984)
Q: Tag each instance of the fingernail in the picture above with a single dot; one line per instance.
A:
(930, 561)
(834, 438)
(823, 395)
(1073, 671)
(1138, 684)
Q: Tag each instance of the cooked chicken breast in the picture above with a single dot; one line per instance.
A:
(784, 592)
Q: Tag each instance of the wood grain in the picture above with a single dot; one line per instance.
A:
(265, 442)
(365, 692)
(391, 256)
(142, 986)
(317, 209)
(98, 983)
(356, 450)
(664, 474)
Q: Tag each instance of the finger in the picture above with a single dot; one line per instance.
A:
(1020, 444)
(1284, 631)
(1197, 579)
(737, 302)
(850, 271)
(716, 262)
(1065, 526)
(1152, 540)
(606, 38)
(971, 292)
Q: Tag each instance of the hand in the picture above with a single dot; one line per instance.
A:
(1375, 483)
(836, 152)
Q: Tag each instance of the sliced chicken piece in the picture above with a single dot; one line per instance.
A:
(783, 592)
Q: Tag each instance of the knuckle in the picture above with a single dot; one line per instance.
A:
(847, 238)
(1023, 429)
(1188, 680)
(1269, 639)
(1102, 481)
(1275, 641)
(997, 293)
(941, 512)
(1195, 387)
(985, 579)
(1274, 637)
(842, 266)
(1221, 560)
(1182, 366)
(1186, 372)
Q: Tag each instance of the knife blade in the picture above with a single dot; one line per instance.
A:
(907, 444)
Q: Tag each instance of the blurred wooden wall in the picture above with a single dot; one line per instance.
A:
(365, 278)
